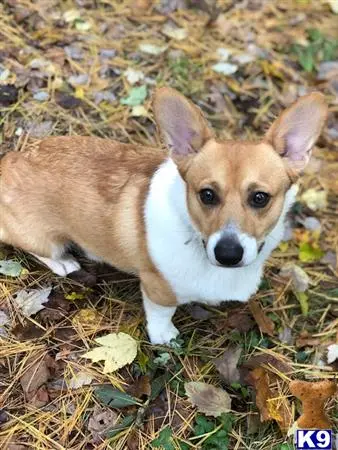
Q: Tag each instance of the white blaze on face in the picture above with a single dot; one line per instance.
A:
(231, 231)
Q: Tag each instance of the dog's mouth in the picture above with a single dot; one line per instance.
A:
(260, 247)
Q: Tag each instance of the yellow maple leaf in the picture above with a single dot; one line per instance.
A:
(116, 350)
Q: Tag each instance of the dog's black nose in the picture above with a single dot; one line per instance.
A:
(228, 251)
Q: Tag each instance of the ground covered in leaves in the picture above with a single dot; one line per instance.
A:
(235, 378)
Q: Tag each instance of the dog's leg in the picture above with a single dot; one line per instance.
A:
(61, 266)
(160, 328)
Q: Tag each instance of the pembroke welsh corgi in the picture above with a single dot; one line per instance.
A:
(195, 222)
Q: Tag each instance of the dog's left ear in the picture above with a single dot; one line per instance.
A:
(295, 132)
(181, 124)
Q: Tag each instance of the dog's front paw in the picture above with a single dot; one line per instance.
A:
(160, 335)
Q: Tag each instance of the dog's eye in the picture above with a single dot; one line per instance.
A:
(208, 197)
(259, 199)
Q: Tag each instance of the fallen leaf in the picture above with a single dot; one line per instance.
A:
(34, 379)
(82, 25)
(309, 253)
(300, 279)
(210, 400)
(305, 340)
(152, 49)
(139, 111)
(267, 360)
(80, 379)
(264, 323)
(27, 331)
(174, 32)
(136, 96)
(32, 301)
(71, 15)
(141, 387)
(332, 353)
(197, 312)
(133, 76)
(86, 318)
(165, 440)
(313, 396)
(100, 422)
(239, 319)
(117, 350)
(114, 398)
(314, 199)
(10, 268)
(227, 364)
(225, 68)
(271, 404)
(303, 301)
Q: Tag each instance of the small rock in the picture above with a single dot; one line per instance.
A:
(41, 96)
(107, 53)
(8, 94)
(40, 130)
(68, 101)
(74, 52)
(102, 96)
(78, 80)
(311, 223)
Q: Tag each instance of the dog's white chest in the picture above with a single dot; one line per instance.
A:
(178, 253)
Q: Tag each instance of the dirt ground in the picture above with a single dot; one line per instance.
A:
(89, 67)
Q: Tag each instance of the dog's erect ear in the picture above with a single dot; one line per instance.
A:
(181, 124)
(295, 132)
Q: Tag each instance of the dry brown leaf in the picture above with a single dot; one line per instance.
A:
(271, 403)
(305, 340)
(264, 323)
(278, 362)
(100, 422)
(227, 364)
(141, 387)
(34, 379)
(313, 396)
(210, 400)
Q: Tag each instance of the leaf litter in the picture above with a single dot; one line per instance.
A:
(68, 77)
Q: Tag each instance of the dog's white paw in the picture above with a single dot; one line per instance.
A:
(159, 335)
(61, 266)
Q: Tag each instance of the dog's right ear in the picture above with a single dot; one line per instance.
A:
(182, 126)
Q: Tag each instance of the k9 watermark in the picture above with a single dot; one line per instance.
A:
(314, 440)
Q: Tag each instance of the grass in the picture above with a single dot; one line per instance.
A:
(238, 106)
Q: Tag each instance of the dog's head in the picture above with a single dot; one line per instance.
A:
(236, 189)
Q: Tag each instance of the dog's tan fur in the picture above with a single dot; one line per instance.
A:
(92, 191)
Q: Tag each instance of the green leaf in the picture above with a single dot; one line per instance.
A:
(308, 253)
(10, 268)
(114, 398)
(203, 426)
(285, 446)
(306, 59)
(165, 440)
(303, 301)
(162, 359)
(158, 384)
(125, 423)
(136, 96)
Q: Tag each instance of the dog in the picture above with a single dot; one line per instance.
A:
(195, 222)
